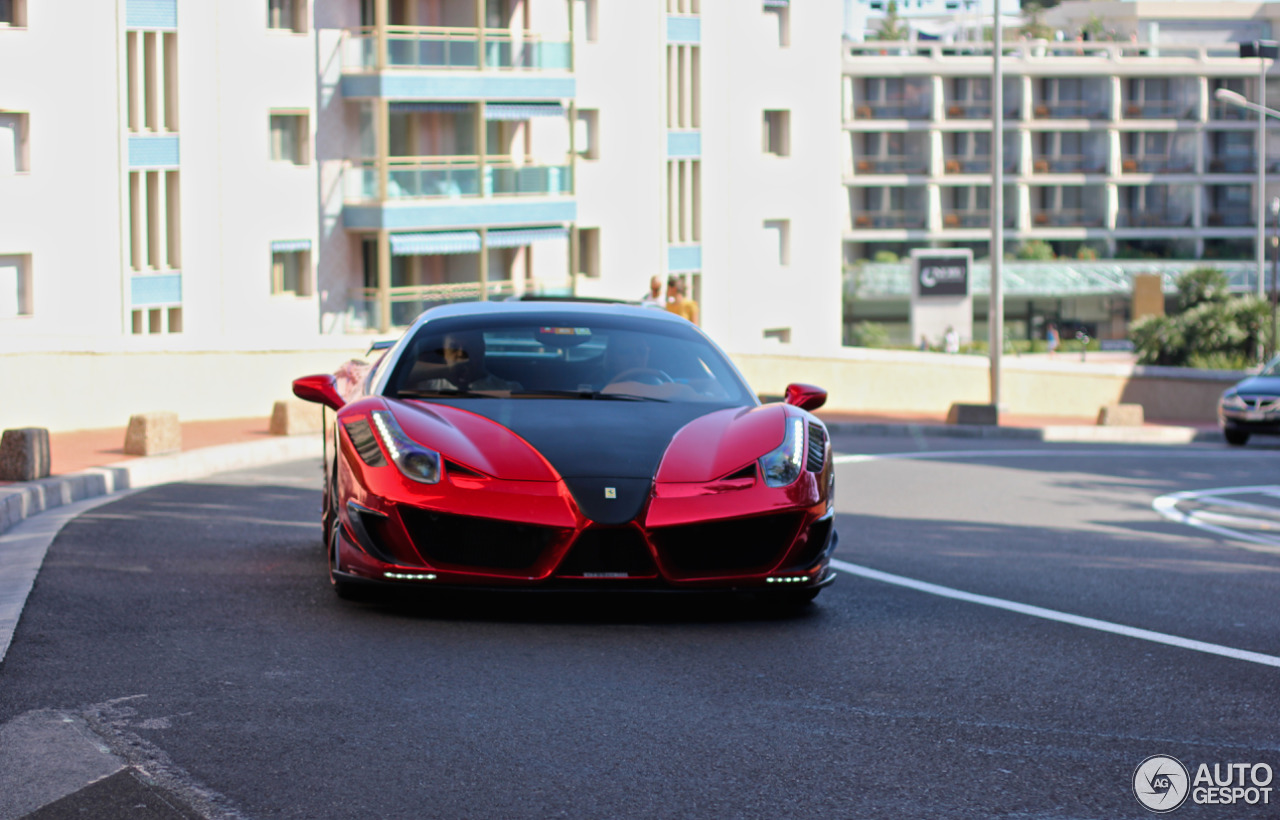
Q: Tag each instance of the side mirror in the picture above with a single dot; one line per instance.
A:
(319, 389)
(804, 396)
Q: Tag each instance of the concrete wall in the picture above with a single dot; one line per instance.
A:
(874, 380)
(70, 391)
(84, 391)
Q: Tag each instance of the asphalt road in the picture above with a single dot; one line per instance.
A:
(181, 650)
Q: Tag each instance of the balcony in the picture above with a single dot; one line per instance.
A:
(1157, 164)
(899, 110)
(889, 220)
(1069, 164)
(453, 177)
(1067, 218)
(437, 48)
(1070, 110)
(1223, 111)
(969, 111)
(1127, 218)
(1232, 165)
(1158, 110)
(408, 302)
(1231, 218)
(967, 219)
(892, 165)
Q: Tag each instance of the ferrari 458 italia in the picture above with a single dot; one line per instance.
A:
(563, 445)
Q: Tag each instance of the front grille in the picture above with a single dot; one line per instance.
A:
(484, 543)
(603, 552)
(732, 547)
(1266, 403)
(817, 447)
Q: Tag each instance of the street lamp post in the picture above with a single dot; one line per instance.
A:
(1266, 51)
(1275, 275)
(1230, 97)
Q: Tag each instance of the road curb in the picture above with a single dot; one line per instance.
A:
(18, 502)
(1084, 433)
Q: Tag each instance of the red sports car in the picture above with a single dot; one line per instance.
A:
(563, 445)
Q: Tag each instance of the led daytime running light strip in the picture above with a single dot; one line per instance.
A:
(788, 579)
(387, 435)
(410, 576)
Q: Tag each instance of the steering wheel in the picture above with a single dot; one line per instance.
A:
(643, 375)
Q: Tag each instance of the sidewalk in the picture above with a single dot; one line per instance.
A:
(89, 463)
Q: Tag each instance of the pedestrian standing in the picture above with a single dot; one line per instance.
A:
(951, 340)
(1051, 337)
(655, 295)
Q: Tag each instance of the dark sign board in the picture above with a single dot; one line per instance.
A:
(943, 275)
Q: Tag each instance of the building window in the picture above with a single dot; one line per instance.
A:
(780, 11)
(287, 15)
(777, 133)
(13, 13)
(780, 237)
(15, 286)
(290, 272)
(586, 136)
(585, 24)
(289, 138)
(14, 155)
(589, 252)
(779, 334)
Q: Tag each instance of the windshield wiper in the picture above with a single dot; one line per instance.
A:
(443, 394)
(595, 395)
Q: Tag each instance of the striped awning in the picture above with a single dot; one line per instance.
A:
(519, 237)
(430, 107)
(290, 245)
(440, 242)
(522, 111)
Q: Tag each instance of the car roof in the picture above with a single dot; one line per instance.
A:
(543, 307)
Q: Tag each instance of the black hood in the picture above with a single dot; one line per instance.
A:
(596, 445)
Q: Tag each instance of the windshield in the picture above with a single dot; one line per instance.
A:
(540, 356)
(1272, 368)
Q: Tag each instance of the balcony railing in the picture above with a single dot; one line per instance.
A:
(1147, 219)
(967, 219)
(966, 165)
(969, 111)
(1068, 164)
(1067, 218)
(1223, 111)
(438, 48)
(1232, 165)
(453, 177)
(892, 165)
(1157, 164)
(889, 219)
(1231, 218)
(1070, 110)
(917, 110)
(408, 302)
(1158, 110)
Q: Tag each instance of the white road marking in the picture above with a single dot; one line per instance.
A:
(1054, 615)
(1165, 505)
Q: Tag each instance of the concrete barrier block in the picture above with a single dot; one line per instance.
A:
(151, 434)
(1121, 415)
(293, 417)
(24, 454)
(984, 414)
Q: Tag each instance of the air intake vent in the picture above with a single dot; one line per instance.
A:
(817, 448)
(361, 435)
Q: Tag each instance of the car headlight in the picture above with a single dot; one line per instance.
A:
(414, 461)
(782, 466)
(1233, 401)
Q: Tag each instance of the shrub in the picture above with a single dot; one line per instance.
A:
(869, 334)
(884, 257)
(1037, 250)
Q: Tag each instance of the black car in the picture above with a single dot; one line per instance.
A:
(1252, 406)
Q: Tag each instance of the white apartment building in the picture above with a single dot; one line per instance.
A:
(262, 173)
(1119, 148)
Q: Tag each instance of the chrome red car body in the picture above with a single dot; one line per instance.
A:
(505, 514)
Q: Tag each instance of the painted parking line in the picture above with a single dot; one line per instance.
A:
(1054, 615)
